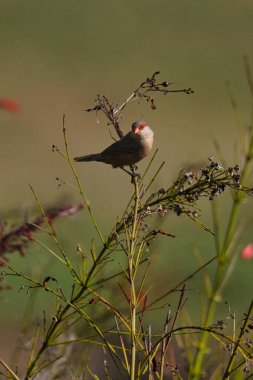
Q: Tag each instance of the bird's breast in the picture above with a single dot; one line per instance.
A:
(146, 145)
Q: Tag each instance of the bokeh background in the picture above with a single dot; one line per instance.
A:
(56, 56)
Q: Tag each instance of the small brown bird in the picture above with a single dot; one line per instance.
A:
(132, 148)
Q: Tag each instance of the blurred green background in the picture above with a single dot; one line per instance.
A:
(56, 56)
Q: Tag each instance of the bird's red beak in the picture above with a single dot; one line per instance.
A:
(139, 128)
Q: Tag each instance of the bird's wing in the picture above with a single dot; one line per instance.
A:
(128, 144)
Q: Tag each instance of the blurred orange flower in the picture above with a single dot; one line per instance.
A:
(9, 105)
(247, 252)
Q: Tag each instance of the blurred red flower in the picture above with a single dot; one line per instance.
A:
(9, 105)
(247, 252)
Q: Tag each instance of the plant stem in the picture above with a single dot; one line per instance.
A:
(80, 187)
(9, 370)
(238, 342)
(133, 300)
(223, 261)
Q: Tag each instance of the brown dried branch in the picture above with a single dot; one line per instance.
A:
(143, 92)
(18, 238)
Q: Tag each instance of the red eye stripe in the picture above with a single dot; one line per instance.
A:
(138, 126)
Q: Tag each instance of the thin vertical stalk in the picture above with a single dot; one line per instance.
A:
(80, 187)
(223, 261)
(133, 298)
(164, 346)
(238, 342)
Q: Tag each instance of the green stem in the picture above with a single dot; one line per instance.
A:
(9, 370)
(237, 344)
(54, 326)
(80, 187)
(223, 261)
(133, 300)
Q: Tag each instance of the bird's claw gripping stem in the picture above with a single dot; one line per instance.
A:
(134, 175)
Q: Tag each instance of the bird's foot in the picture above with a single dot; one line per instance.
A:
(135, 175)
(132, 174)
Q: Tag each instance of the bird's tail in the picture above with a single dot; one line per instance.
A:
(89, 157)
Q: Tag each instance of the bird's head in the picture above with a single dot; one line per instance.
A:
(140, 128)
